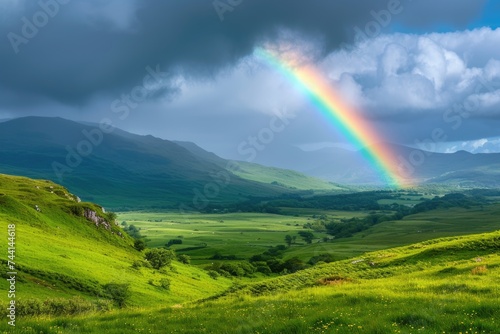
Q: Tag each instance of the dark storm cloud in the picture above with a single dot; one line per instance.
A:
(103, 47)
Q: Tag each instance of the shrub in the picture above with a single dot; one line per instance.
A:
(140, 245)
(159, 258)
(119, 293)
(183, 258)
(165, 283)
(213, 274)
(174, 242)
(141, 263)
(58, 306)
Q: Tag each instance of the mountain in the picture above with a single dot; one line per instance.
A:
(117, 169)
(122, 170)
(349, 167)
(278, 176)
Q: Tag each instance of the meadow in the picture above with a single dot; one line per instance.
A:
(393, 277)
(441, 286)
(239, 234)
(247, 234)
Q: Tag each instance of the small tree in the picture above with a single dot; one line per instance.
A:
(183, 258)
(159, 258)
(140, 245)
(307, 236)
(288, 240)
(174, 242)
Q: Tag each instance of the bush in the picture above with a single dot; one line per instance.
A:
(140, 245)
(324, 258)
(119, 293)
(58, 306)
(159, 258)
(213, 274)
(183, 258)
(165, 283)
(174, 242)
(141, 263)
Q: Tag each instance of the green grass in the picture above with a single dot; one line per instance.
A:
(445, 285)
(247, 234)
(240, 234)
(59, 255)
(285, 177)
(430, 287)
(409, 230)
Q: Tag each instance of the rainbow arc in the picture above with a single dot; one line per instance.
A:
(343, 117)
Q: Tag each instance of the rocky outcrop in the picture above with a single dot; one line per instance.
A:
(96, 219)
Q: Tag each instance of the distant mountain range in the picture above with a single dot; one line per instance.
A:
(123, 170)
(344, 167)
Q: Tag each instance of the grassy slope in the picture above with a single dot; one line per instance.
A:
(412, 229)
(430, 287)
(55, 242)
(287, 178)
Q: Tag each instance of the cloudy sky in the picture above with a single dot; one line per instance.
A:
(187, 69)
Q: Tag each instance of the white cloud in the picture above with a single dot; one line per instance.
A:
(484, 145)
(403, 73)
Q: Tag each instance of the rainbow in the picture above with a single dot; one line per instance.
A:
(342, 116)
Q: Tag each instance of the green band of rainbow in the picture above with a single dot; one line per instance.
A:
(344, 118)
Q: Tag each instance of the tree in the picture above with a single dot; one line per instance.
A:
(140, 245)
(288, 240)
(307, 236)
(174, 242)
(159, 258)
(183, 258)
(293, 264)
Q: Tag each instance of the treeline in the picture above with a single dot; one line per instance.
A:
(269, 262)
(450, 201)
(359, 201)
(346, 228)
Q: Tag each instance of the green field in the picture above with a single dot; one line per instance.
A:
(444, 286)
(240, 234)
(443, 278)
(247, 234)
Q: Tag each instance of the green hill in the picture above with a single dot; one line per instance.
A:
(75, 265)
(69, 249)
(269, 175)
(440, 286)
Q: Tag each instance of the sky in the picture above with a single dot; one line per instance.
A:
(187, 70)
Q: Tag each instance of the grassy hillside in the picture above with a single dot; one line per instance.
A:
(263, 174)
(285, 177)
(61, 254)
(440, 286)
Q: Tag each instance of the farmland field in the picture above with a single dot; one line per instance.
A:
(247, 234)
